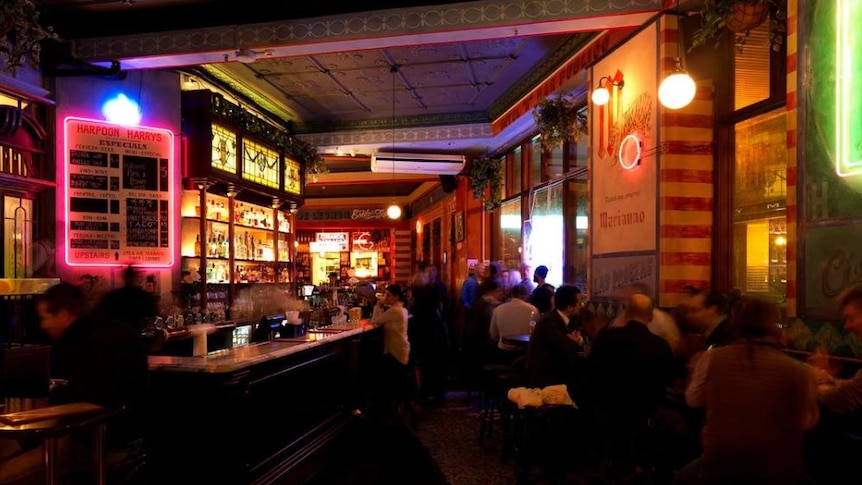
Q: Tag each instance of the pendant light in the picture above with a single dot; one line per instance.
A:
(394, 210)
(678, 89)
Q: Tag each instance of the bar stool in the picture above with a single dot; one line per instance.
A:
(491, 397)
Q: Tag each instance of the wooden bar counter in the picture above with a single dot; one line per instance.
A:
(258, 413)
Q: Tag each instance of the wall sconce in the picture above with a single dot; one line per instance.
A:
(677, 90)
(231, 191)
(601, 95)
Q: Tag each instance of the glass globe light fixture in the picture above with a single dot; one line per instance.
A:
(393, 211)
(600, 96)
(678, 89)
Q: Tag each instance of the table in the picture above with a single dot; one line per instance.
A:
(35, 419)
(517, 339)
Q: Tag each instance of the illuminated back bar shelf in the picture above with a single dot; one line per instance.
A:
(240, 193)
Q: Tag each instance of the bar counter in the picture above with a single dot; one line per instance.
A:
(231, 360)
(261, 413)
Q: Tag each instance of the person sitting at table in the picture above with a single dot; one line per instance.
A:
(842, 397)
(91, 360)
(835, 444)
(553, 351)
(708, 313)
(759, 404)
(509, 318)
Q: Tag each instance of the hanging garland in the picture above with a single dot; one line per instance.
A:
(293, 147)
(486, 172)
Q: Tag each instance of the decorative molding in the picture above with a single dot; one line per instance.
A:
(417, 134)
(516, 14)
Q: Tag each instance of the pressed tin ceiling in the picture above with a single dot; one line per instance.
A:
(326, 67)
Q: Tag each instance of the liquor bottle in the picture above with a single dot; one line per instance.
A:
(197, 244)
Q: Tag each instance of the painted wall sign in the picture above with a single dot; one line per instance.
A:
(118, 194)
(336, 240)
(342, 215)
(834, 262)
(610, 276)
(624, 188)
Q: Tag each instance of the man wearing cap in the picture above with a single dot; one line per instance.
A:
(542, 296)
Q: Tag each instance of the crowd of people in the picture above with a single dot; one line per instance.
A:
(701, 394)
(710, 382)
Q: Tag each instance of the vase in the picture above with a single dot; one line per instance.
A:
(744, 16)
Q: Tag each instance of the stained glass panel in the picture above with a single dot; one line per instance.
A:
(259, 164)
(292, 178)
(224, 149)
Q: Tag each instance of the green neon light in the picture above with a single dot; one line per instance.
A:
(848, 98)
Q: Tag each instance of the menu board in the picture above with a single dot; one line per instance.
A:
(118, 194)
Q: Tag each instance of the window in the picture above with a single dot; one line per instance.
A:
(510, 232)
(543, 233)
(17, 235)
(759, 197)
(555, 163)
(517, 174)
(536, 154)
(751, 66)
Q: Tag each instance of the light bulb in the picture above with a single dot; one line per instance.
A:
(601, 96)
(677, 90)
(394, 212)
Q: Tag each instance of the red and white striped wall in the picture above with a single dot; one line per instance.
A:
(685, 184)
(403, 264)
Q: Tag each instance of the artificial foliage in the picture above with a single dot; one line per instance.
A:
(486, 173)
(716, 21)
(560, 119)
(21, 34)
(294, 148)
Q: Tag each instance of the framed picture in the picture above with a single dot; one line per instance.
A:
(458, 226)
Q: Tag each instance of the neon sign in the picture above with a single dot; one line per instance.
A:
(630, 152)
(848, 101)
(119, 197)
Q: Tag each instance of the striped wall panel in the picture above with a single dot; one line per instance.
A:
(792, 209)
(403, 261)
(686, 199)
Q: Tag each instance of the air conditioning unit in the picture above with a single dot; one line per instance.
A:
(417, 163)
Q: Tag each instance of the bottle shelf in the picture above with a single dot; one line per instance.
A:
(260, 245)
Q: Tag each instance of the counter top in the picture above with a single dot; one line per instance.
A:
(231, 360)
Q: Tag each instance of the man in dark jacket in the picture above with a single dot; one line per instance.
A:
(91, 360)
(130, 303)
(552, 354)
(631, 368)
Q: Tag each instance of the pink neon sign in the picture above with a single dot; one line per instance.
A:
(119, 194)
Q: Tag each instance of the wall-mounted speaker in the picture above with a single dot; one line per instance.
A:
(449, 183)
